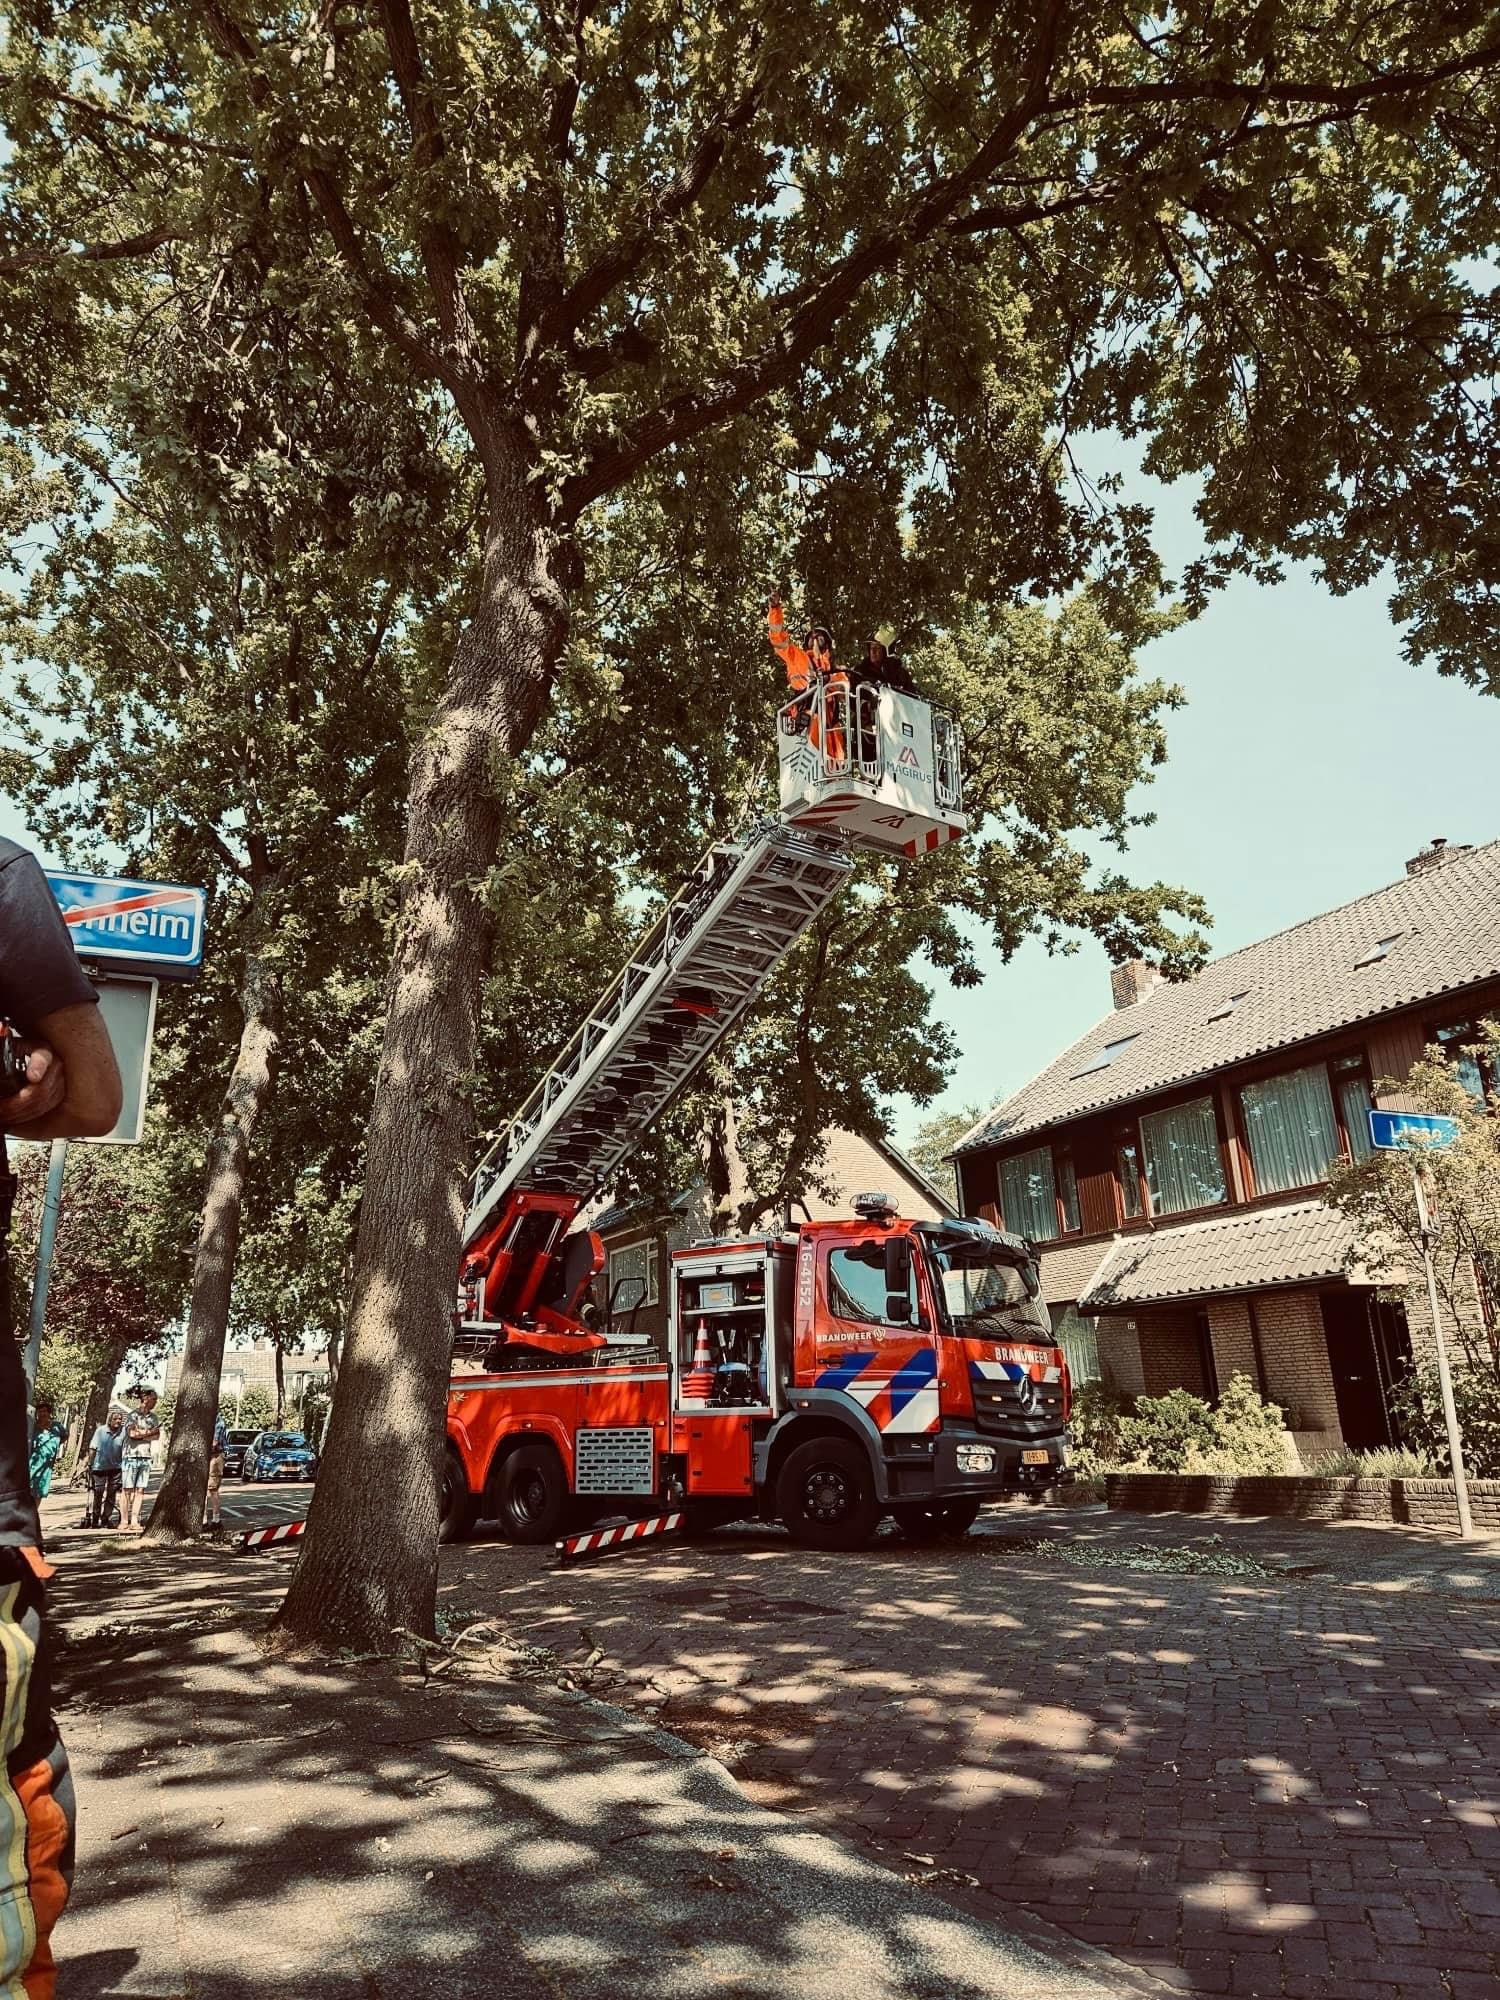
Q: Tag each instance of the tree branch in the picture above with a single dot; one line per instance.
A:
(621, 258)
(439, 252)
(1336, 96)
(93, 253)
(686, 415)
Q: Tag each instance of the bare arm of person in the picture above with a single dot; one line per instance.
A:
(73, 1090)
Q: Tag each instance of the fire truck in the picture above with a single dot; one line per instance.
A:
(823, 1374)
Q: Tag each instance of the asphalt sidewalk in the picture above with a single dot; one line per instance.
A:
(249, 1826)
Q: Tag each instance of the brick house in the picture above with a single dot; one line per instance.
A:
(637, 1244)
(1169, 1163)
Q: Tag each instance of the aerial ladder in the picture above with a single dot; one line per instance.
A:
(865, 766)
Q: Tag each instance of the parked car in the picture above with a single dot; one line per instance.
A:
(279, 1455)
(234, 1452)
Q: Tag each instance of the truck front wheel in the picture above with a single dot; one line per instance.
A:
(936, 1521)
(533, 1495)
(825, 1495)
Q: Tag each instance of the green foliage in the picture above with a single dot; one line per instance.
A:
(1179, 1432)
(1096, 1442)
(166, 1410)
(934, 1139)
(255, 1408)
(1463, 1193)
(1388, 1462)
(1161, 1432)
(65, 1370)
(1416, 1404)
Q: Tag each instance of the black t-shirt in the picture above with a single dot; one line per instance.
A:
(39, 969)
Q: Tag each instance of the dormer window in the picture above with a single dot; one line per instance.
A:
(1223, 1012)
(1378, 950)
(1105, 1056)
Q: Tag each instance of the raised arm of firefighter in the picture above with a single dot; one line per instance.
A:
(797, 660)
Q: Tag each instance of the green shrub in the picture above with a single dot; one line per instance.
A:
(1179, 1432)
(1389, 1462)
(1250, 1435)
(1094, 1442)
(1158, 1436)
(1418, 1410)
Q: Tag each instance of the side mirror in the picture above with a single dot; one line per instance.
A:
(898, 1300)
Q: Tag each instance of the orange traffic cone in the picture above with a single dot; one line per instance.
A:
(698, 1384)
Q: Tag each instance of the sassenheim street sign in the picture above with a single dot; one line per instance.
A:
(152, 927)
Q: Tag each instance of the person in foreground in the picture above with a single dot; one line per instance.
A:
(70, 1088)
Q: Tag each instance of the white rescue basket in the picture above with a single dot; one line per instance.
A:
(866, 760)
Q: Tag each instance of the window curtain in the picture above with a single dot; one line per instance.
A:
(1354, 1102)
(1290, 1125)
(1028, 1195)
(1183, 1167)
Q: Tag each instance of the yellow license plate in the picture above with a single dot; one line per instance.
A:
(1036, 1458)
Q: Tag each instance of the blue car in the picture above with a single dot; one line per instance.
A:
(279, 1455)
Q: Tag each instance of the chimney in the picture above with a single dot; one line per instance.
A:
(1131, 982)
(1434, 856)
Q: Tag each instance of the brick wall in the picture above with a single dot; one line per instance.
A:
(1120, 1356)
(1234, 1350)
(1171, 1352)
(1424, 1503)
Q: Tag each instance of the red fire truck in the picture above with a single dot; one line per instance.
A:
(823, 1375)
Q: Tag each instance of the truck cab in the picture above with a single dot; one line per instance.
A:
(825, 1377)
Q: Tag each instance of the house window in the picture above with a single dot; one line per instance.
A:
(1079, 1340)
(1351, 1083)
(1028, 1194)
(1105, 1056)
(1459, 1043)
(1039, 1194)
(632, 1275)
(1291, 1129)
(1128, 1166)
(1067, 1192)
(1184, 1167)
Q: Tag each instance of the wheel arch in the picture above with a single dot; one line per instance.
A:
(512, 1441)
(821, 1413)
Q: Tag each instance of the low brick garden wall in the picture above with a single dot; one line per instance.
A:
(1422, 1503)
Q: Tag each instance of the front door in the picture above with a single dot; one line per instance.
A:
(1361, 1367)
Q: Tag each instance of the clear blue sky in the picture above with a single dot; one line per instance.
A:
(1309, 763)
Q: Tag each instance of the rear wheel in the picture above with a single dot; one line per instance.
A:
(458, 1507)
(826, 1496)
(936, 1521)
(533, 1494)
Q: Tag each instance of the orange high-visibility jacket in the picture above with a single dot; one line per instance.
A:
(799, 666)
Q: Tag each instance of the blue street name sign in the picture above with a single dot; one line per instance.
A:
(1411, 1131)
(153, 927)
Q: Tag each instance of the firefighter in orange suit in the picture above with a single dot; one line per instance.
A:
(808, 666)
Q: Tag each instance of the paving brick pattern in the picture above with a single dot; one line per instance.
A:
(1252, 1787)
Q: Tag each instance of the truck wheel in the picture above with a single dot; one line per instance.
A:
(825, 1495)
(533, 1495)
(458, 1508)
(939, 1521)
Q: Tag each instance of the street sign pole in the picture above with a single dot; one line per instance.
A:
(1445, 1376)
(46, 1243)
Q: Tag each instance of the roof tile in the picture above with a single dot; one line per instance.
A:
(1302, 1242)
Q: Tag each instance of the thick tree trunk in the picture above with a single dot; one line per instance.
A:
(369, 1559)
(178, 1511)
(728, 1178)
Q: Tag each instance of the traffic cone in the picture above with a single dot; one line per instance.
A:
(698, 1383)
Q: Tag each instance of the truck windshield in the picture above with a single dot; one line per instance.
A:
(989, 1290)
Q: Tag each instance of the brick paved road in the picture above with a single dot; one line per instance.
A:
(1285, 1785)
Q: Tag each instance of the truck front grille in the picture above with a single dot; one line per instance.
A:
(1018, 1409)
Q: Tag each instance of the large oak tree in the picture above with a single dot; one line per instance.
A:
(913, 255)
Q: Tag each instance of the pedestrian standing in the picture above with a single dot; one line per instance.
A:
(104, 1459)
(46, 1444)
(212, 1518)
(141, 1432)
(68, 1088)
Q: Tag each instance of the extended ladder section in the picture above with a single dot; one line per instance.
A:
(690, 980)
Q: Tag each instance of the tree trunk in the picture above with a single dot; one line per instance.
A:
(178, 1511)
(369, 1558)
(280, 1365)
(724, 1166)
